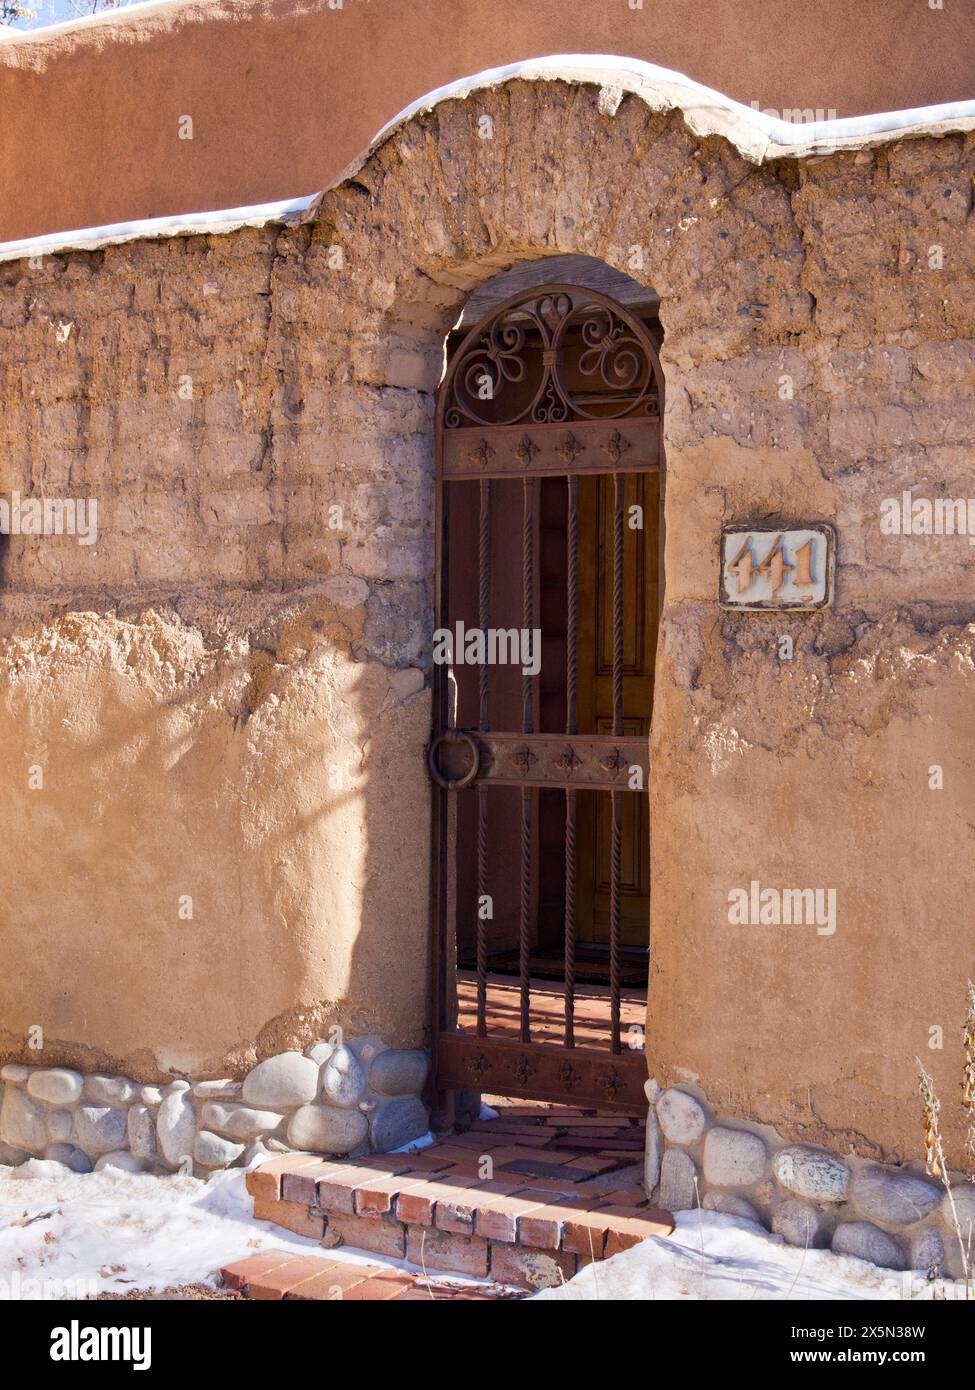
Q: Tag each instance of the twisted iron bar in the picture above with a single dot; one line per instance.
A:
(617, 832)
(572, 603)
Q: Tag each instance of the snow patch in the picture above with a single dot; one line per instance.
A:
(712, 1256)
(112, 1231)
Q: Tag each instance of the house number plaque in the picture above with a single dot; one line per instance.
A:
(764, 568)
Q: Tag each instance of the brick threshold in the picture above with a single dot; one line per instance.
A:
(522, 1202)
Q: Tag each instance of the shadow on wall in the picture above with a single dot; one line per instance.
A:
(226, 854)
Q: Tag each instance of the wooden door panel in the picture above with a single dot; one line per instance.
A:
(640, 611)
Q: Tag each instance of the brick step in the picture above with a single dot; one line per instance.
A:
(436, 1211)
(279, 1275)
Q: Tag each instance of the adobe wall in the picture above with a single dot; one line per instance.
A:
(189, 683)
(284, 94)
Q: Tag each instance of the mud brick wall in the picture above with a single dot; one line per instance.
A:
(228, 693)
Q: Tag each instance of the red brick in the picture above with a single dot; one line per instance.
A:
(266, 1181)
(459, 1213)
(538, 1168)
(629, 1227)
(275, 1283)
(594, 1164)
(498, 1220)
(380, 1287)
(383, 1163)
(542, 1228)
(302, 1186)
(334, 1282)
(336, 1192)
(531, 1269)
(516, 1154)
(371, 1233)
(584, 1233)
(293, 1216)
(417, 1205)
(239, 1274)
(377, 1196)
(432, 1249)
(627, 1197)
(504, 1126)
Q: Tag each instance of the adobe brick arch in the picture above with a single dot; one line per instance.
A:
(538, 168)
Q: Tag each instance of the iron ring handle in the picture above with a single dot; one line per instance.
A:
(454, 784)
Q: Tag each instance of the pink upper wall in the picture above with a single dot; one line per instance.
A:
(285, 93)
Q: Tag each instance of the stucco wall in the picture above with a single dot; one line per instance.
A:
(190, 751)
(285, 93)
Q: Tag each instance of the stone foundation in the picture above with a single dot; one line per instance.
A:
(894, 1216)
(338, 1099)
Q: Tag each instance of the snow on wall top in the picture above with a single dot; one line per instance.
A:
(757, 136)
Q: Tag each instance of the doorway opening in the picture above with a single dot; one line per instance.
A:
(550, 495)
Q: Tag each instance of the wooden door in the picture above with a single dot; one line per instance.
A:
(641, 583)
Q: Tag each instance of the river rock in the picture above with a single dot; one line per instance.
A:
(394, 1123)
(12, 1157)
(151, 1095)
(212, 1151)
(730, 1204)
(928, 1252)
(399, 1072)
(22, 1122)
(867, 1242)
(175, 1126)
(811, 1173)
(320, 1052)
(653, 1153)
(110, 1090)
(141, 1128)
(799, 1223)
(56, 1086)
(677, 1174)
(327, 1129)
(15, 1073)
(963, 1196)
(239, 1121)
(281, 1082)
(98, 1129)
(59, 1126)
(681, 1117)
(733, 1157)
(367, 1049)
(896, 1198)
(343, 1078)
(69, 1157)
(218, 1090)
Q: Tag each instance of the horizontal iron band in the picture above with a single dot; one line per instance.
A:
(572, 1075)
(581, 447)
(595, 762)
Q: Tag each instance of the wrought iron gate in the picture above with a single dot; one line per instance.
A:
(557, 386)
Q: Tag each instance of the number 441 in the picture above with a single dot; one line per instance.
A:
(775, 566)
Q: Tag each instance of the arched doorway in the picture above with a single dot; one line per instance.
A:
(549, 546)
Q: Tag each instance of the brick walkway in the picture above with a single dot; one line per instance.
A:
(524, 1200)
